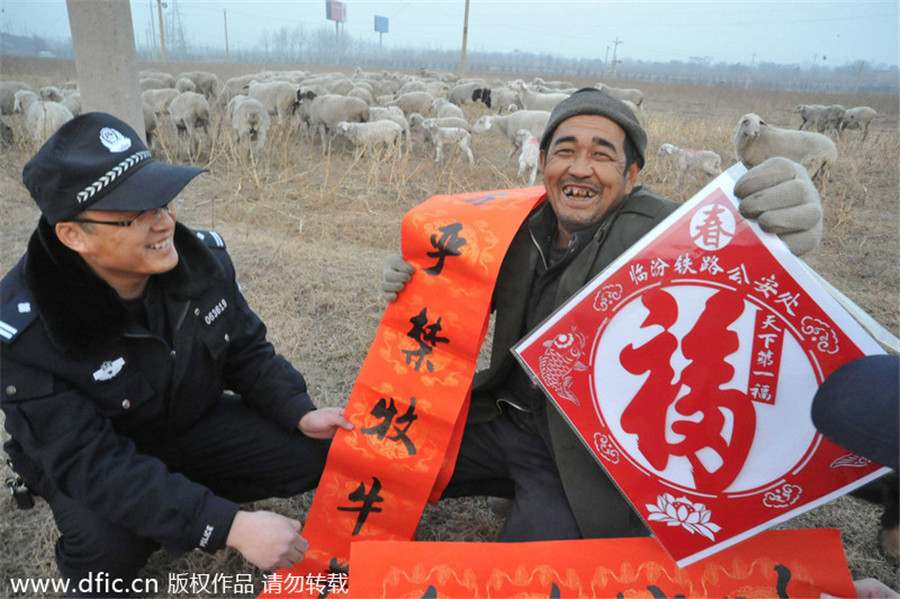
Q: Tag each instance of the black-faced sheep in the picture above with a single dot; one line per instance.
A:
(41, 118)
(371, 135)
(755, 141)
(858, 117)
(461, 93)
(497, 98)
(693, 162)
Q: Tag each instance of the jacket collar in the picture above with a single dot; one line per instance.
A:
(81, 311)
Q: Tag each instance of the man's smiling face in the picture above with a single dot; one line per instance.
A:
(584, 172)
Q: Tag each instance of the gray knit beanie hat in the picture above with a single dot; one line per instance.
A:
(590, 100)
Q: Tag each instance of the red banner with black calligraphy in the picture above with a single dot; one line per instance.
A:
(409, 401)
(688, 368)
(782, 563)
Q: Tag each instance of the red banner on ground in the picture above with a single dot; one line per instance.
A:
(785, 563)
(408, 402)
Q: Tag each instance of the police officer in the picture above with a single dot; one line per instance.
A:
(142, 398)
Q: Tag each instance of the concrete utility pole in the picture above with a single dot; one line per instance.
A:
(162, 31)
(105, 59)
(225, 17)
(614, 61)
(465, 38)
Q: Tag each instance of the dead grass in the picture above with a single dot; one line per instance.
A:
(308, 232)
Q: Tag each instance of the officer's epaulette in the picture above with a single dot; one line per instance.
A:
(211, 239)
(15, 316)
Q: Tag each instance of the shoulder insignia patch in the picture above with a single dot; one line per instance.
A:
(211, 239)
(16, 316)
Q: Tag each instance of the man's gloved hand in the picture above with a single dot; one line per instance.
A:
(395, 274)
(782, 198)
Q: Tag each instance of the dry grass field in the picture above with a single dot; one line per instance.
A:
(308, 232)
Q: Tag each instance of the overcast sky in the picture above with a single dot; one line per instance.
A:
(823, 32)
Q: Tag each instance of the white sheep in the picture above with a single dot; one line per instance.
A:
(153, 83)
(530, 155)
(323, 113)
(190, 114)
(159, 100)
(416, 121)
(279, 98)
(755, 141)
(8, 91)
(7, 137)
(250, 120)
(830, 118)
(51, 93)
(532, 100)
(411, 102)
(508, 124)
(392, 113)
(72, 101)
(150, 124)
(635, 96)
(185, 85)
(166, 78)
(207, 83)
(441, 108)
(858, 117)
(809, 114)
(452, 136)
(693, 162)
(41, 118)
(373, 134)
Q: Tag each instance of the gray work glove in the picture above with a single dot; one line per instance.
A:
(782, 198)
(395, 274)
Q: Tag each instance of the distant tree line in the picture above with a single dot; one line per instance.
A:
(324, 46)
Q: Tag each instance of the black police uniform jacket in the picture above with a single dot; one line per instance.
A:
(86, 390)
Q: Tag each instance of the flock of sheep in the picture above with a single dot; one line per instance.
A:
(376, 111)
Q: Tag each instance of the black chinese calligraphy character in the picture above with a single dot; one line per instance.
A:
(387, 412)
(784, 577)
(336, 577)
(426, 335)
(368, 500)
(485, 198)
(448, 245)
(430, 592)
